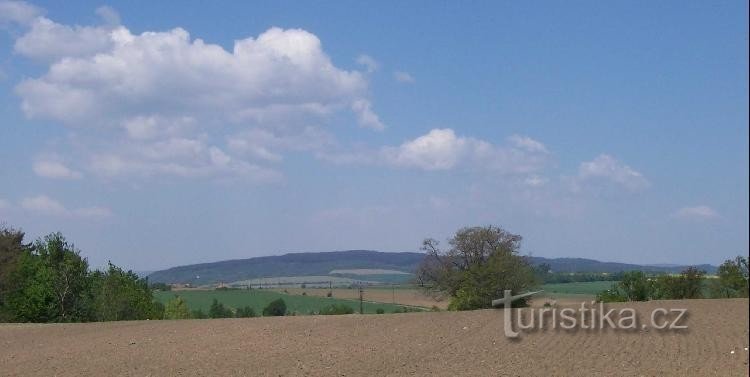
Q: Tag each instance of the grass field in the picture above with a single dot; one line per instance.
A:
(258, 299)
(582, 288)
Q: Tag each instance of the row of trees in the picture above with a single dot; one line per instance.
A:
(482, 262)
(731, 281)
(49, 281)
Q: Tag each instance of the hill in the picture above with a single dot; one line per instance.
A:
(323, 263)
(293, 264)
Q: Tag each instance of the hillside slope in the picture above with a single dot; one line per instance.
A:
(322, 263)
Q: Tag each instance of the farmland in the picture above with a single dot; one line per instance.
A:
(259, 298)
(423, 344)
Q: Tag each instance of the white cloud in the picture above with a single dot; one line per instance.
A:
(371, 65)
(108, 15)
(442, 149)
(403, 77)
(54, 169)
(701, 212)
(367, 118)
(18, 12)
(45, 205)
(527, 143)
(135, 99)
(4, 204)
(607, 168)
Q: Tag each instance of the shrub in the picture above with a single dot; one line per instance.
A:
(176, 309)
(275, 308)
(329, 294)
(246, 312)
(218, 310)
(198, 314)
(379, 311)
(336, 309)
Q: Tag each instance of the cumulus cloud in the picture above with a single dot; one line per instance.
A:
(17, 12)
(130, 95)
(608, 169)
(442, 149)
(403, 77)
(701, 212)
(371, 65)
(54, 169)
(45, 205)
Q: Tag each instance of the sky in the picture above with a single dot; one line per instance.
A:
(155, 134)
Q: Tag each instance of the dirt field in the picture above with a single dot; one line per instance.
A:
(442, 343)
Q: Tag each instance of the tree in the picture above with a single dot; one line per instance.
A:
(52, 283)
(481, 263)
(732, 279)
(11, 249)
(687, 285)
(246, 312)
(275, 308)
(119, 295)
(635, 286)
(218, 310)
(176, 308)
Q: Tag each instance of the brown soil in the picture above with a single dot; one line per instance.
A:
(439, 343)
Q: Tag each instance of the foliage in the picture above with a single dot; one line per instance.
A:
(611, 295)
(275, 308)
(246, 312)
(11, 249)
(218, 310)
(379, 311)
(732, 279)
(198, 314)
(119, 295)
(687, 285)
(52, 283)
(176, 309)
(481, 263)
(336, 309)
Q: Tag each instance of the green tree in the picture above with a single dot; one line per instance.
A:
(11, 249)
(119, 295)
(218, 310)
(275, 308)
(52, 283)
(481, 263)
(176, 308)
(636, 286)
(732, 279)
(687, 285)
(246, 312)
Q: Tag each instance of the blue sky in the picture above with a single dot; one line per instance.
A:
(155, 134)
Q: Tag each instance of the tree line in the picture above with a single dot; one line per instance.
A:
(731, 281)
(48, 281)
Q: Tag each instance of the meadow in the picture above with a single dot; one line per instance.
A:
(259, 298)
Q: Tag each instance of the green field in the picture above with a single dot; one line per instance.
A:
(582, 288)
(258, 299)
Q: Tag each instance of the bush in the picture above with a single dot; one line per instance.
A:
(218, 310)
(198, 314)
(336, 309)
(246, 312)
(379, 311)
(176, 309)
(275, 308)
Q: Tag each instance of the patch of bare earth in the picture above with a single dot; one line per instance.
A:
(441, 343)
